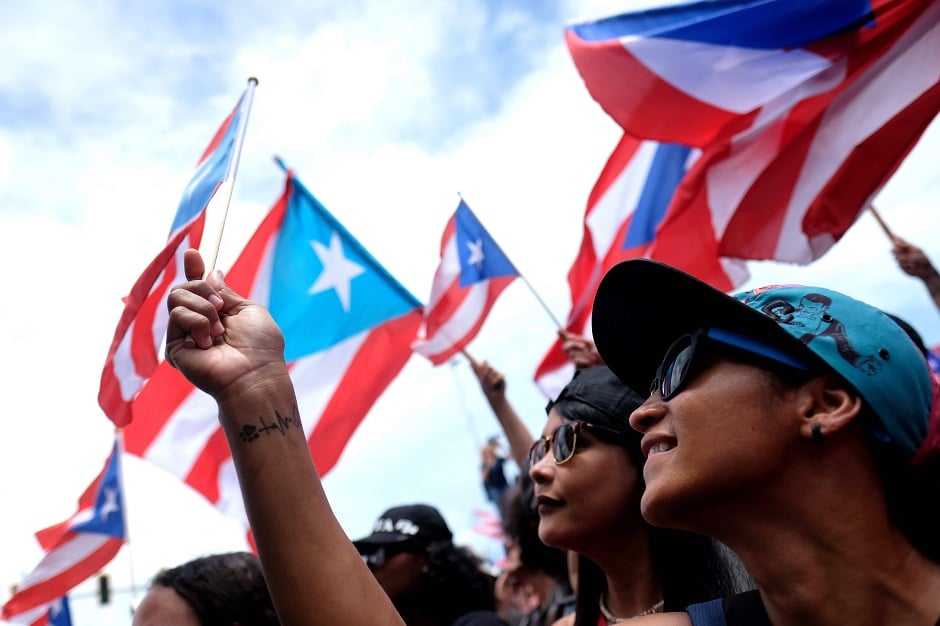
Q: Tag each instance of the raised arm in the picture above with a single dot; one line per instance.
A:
(232, 349)
(493, 385)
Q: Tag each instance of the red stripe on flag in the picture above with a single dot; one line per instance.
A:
(50, 589)
(603, 66)
(356, 394)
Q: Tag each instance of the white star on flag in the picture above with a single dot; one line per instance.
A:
(338, 271)
(109, 505)
(476, 253)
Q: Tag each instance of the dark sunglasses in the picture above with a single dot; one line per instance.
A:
(564, 441)
(376, 559)
(684, 354)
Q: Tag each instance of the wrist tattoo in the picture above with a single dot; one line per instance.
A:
(281, 424)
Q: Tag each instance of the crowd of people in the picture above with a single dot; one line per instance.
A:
(771, 457)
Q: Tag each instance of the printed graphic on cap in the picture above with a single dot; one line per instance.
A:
(812, 314)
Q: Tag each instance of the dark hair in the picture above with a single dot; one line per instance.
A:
(521, 522)
(453, 584)
(691, 568)
(909, 491)
(222, 589)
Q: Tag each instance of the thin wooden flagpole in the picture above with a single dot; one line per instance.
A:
(224, 193)
(881, 222)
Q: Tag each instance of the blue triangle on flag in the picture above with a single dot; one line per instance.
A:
(59, 613)
(325, 286)
(108, 514)
(480, 257)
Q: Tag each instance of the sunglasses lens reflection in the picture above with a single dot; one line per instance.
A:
(563, 443)
(675, 367)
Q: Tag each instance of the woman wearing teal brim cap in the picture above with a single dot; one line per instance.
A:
(794, 424)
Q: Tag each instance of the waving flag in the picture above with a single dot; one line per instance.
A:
(472, 274)
(347, 325)
(57, 614)
(75, 550)
(624, 209)
(136, 348)
(802, 109)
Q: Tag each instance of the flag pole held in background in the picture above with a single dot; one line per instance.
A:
(137, 346)
(881, 222)
(224, 194)
(472, 273)
(554, 319)
(534, 292)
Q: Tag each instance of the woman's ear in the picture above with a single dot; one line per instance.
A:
(828, 406)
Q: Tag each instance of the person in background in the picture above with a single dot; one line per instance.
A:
(535, 582)
(216, 590)
(493, 474)
(587, 469)
(533, 588)
(431, 581)
(493, 386)
(913, 261)
(814, 455)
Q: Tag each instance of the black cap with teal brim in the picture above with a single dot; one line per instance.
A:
(642, 306)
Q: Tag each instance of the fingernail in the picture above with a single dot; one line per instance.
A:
(216, 300)
(218, 329)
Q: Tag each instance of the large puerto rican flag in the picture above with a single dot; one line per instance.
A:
(802, 109)
(135, 349)
(347, 325)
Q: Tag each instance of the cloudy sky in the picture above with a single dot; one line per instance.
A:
(386, 111)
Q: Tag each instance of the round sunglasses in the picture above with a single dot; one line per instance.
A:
(563, 441)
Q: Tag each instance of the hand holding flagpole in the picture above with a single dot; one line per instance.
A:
(912, 260)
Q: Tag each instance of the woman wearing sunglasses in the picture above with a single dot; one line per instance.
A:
(587, 470)
(794, 424)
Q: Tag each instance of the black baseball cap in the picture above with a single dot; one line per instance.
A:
(419, 524)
